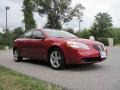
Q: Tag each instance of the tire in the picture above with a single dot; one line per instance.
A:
(17, 57)
(56, 59)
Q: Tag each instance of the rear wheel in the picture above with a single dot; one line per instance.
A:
(17, 57)
(56, 59)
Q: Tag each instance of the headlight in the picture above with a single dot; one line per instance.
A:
(77, 45)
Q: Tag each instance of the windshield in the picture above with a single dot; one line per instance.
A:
(59, 34)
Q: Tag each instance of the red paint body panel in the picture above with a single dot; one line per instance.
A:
(38, 48)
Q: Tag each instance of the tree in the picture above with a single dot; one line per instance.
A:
(58, 12)
(17, 32)
(70, 30)
(28, 15)
(102, 25)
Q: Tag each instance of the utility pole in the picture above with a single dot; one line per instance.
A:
(7, 8)
(6, 30)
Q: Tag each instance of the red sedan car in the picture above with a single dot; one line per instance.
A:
(58, 48)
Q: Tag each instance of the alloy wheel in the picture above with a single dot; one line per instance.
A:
(56, 59)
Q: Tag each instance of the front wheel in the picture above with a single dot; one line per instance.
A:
(17, 57)
(56, 59)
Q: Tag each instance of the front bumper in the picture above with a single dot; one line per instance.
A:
(81, 56)
(92, 60)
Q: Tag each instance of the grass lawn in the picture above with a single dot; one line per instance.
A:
(11, 80)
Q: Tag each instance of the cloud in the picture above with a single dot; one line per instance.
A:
(93, 7)
(15, 15)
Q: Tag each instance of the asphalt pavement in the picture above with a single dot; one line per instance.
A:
(101, 76)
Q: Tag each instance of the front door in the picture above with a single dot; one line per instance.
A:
(37, 44)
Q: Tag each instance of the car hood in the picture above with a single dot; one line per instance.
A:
(85, 41)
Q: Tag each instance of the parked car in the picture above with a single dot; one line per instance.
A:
(58, 48)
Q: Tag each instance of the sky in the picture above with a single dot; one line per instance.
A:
(92, 7)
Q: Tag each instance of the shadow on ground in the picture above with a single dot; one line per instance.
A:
(87, 67)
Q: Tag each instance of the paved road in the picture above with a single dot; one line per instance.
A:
(101, 76)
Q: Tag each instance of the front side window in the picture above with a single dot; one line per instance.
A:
(37, 34)
(27, 34)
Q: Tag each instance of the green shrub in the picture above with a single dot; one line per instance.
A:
(2, 47)
(104, 41)
(6, 39)
(84, 34)
(115, 34)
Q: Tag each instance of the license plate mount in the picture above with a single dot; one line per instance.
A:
(103, 54)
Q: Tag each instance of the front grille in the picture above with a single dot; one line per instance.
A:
(98, 47)
(90, 60)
